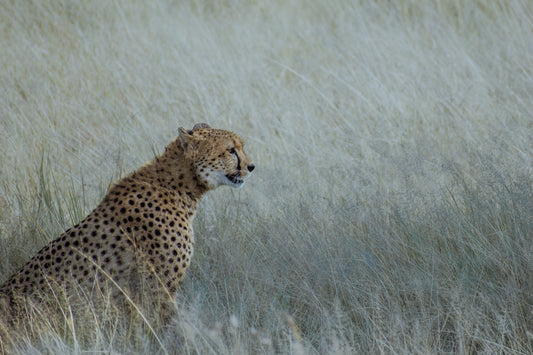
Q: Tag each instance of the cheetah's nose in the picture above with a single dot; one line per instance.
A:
(251, 167)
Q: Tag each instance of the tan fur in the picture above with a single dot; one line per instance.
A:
(141, 233)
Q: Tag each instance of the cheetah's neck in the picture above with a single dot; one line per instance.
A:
(172, 172)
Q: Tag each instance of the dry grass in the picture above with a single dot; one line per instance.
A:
(392, 207)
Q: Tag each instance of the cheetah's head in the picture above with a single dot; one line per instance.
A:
(217, 156)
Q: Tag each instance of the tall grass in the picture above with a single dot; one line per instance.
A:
(392, 207)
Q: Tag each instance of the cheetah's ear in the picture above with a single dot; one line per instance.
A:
(186, 138)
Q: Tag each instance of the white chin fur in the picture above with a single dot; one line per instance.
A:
(236, 185)
(215, 180)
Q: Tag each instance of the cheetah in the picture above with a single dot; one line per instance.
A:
(144, 223)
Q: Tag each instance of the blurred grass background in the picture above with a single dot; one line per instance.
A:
(392, 207)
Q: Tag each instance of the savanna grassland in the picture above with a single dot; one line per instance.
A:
(391, 210)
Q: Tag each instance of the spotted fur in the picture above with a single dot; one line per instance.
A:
(141, 233)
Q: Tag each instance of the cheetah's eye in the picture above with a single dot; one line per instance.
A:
(232, 151)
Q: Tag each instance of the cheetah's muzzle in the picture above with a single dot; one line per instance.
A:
(235, 178)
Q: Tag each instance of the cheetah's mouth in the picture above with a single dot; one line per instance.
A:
(235, 179)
